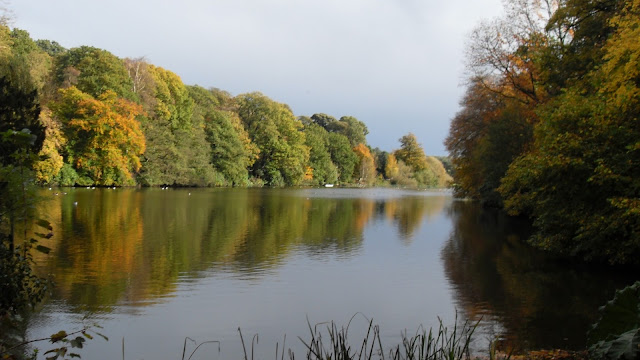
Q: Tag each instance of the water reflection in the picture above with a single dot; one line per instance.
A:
(134, 246)
(530, 299)
(203, 262)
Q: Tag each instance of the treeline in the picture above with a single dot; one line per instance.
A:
(105, 121)
(549, 124)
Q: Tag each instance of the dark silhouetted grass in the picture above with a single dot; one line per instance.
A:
(331, 342)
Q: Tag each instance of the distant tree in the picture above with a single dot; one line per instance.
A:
(434, 175)
(366, 168)
(411, 153)
(317, 138)
(94, 71)
(50, 161)
(104, 138)
(232, 152)
(277, 133)
(173, 103)
(342, 156)
(391, 167)
(405, 176)
(177, 152)
(143, 82)
(355, 130)
(380, 157)
(28, 55)
(446, 162)
(325, 121)
(53, 48)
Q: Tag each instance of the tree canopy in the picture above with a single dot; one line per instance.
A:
(105, 121)
(564, 148)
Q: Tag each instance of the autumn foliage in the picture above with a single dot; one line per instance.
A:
(105, 139)
(107, 121)
(549, 126)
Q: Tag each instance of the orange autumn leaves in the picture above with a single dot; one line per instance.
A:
(104, 136)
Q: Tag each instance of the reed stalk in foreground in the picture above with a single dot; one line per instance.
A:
(444, 344)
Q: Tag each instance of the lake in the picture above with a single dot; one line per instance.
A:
(153, 266)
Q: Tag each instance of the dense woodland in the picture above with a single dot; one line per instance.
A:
(549, 124)
(105, 121)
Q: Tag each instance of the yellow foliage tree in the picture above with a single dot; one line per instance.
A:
(366, 168)
(105, 139)
(391, 168)
(51, 161)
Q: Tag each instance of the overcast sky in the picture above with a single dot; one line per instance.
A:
(396, 65)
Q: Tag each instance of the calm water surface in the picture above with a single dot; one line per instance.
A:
(154, 266)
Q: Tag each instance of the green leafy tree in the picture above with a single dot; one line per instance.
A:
(27, 52)
(327, 122)
(411, 153)
(173, 103)
(94, 71)
(53, 48)
(380, 157)
(232, 152)
(342, 156)
(19, 109)
(178, 152)
(355, 130)
(278, 134)
(324, 171)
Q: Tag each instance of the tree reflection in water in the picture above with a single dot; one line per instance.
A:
(526, 297)
(133, 246)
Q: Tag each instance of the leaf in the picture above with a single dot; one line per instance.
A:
(625, 346)
(616, 335)
(45, 224)
(77, 342)
(74, 355)
(58, 336)
(43, 249)
(88, 336)
(619, 315)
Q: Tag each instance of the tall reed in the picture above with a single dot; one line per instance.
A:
(445, 344)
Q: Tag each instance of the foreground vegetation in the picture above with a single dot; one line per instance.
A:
(549, 124)
(616, 335)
